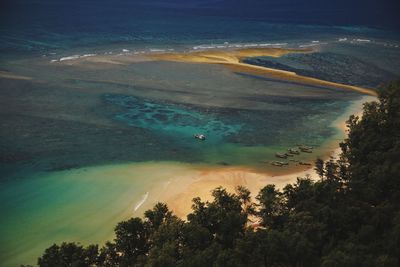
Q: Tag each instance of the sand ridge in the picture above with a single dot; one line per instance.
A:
(232, 59)
(224, 56)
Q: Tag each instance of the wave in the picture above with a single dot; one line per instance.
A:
(157, 50)
(250, 45)
(204, 47)
(74, 57)
(69, 58)
(308, 45)
(235, 45)
(141, 202)
(363, 40)
(228, 45)
(273, 44)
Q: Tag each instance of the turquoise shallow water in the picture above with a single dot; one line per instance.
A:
(175, 120)
(233, 131)
(79, 205)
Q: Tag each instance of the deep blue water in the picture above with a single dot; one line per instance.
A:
(28, 26)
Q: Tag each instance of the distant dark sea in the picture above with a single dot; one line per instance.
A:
(32, 26)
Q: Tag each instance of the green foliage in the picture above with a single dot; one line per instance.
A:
(373, 149)
(350, 217)
(157, 216)
(69, 254)
(131, 240)
(223, 218)
(272, 211)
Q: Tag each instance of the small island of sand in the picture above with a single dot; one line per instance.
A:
(232, 59)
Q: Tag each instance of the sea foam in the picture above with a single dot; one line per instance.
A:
(74, 57)
(142, 201)
(363, 40)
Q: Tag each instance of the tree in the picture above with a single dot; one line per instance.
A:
(372, 149)
(271, 209)
(131, 240)
(319, 167)
(109, 257)
(244, 195)
(157, 216)
(223, 217)
(167, 243)
(69, 254)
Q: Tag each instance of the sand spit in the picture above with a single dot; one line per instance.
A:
(232, 60)
(292, 76)
(225, 56)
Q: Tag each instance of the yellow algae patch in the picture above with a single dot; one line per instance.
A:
(232, 60)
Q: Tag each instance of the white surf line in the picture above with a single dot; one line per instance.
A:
(74, 57)
(141, 202)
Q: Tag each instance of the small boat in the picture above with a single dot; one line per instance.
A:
(305, 147)
(293, 151)
(279, 163)
(306, 150)
(201, 137)
(304, 163)
(281, 155)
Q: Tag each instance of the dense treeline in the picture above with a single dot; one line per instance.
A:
(350, 217)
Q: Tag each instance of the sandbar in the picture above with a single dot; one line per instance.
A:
(232, 60)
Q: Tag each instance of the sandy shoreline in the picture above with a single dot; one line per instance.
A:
(179, 194)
